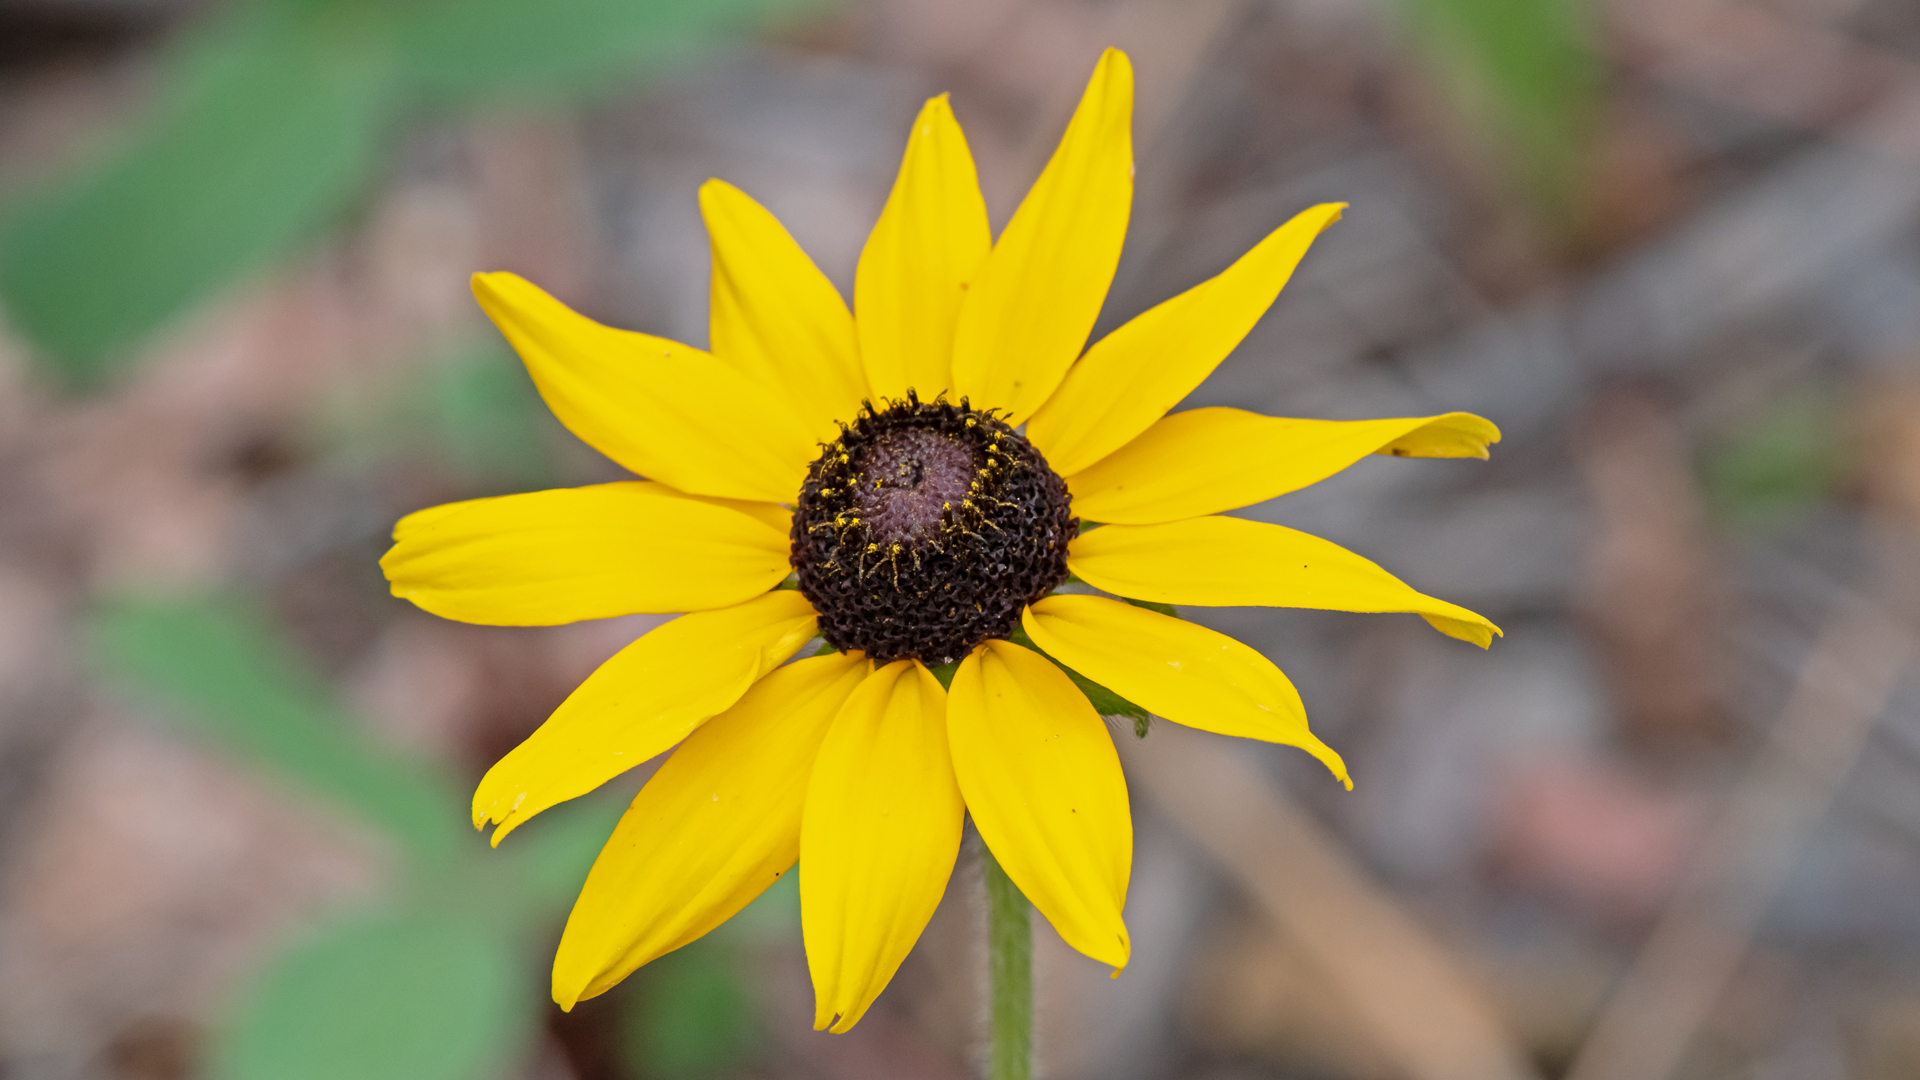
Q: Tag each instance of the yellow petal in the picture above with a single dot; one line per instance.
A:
(1174, 669)
(1131, 377)
(775, 317)
(1044, 786)
(558, 556)
(926, 250)
(665, 410)
(1223, 562)
(1041, 289)
(773, 515)
(711, 830)
(641, 702)
(1207, 460)
(878, 838)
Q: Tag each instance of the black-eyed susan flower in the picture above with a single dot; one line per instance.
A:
(912, 481)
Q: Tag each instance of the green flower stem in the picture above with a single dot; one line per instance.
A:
(1009, 974)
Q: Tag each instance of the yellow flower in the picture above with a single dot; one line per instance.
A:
(932, 527)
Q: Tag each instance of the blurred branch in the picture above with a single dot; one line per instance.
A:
(1753, 59)
(1423, 1011)
(1843, 687)
(1770, 242)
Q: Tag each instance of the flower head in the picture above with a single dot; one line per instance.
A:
(927, 468)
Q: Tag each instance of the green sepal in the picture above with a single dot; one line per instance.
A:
(1104, 701)
(1153, 605)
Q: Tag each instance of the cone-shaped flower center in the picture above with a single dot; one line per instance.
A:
(925, 528)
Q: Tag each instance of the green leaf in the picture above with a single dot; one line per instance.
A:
(270, 123)
(405, 996)
(693, 1017)
(487, 48)
(225, 673)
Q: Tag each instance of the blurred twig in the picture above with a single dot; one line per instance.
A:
(1765, 244)
(1771, 66)
(1423, 1011)
(1843, 687)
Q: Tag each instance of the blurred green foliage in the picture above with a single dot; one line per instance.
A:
(262, 133)
(1777, 462)
(472, 410)
(411, 995)
(461, 50)
(270, 119)
(431, 981)
(1527, 73)
(691, 1019)
(222, 670)
(485, 415)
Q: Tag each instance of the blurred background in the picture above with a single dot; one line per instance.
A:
(1669, 827)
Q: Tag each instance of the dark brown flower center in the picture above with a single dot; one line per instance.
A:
(925, 529)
